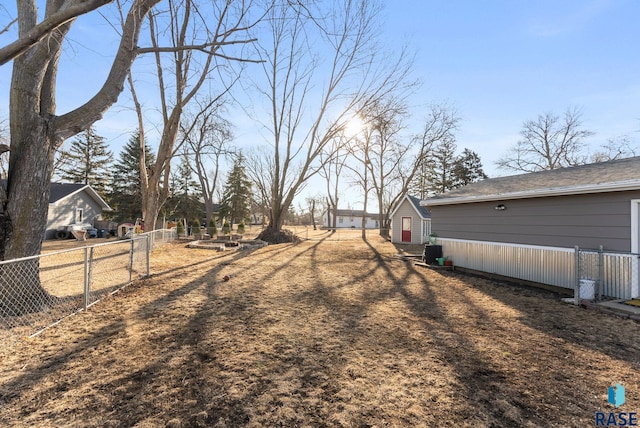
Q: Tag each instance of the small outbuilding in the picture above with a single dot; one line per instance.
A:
(71, 203)
(410, 222)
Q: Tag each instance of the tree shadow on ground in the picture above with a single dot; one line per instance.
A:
(297, 336)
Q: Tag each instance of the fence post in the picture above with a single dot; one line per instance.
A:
(600, 273)
(148, 253)
(86, 277)
(131, 261)
(576, 289)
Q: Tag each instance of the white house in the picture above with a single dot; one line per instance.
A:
(71, 204)
(350, 219)
(410, 222)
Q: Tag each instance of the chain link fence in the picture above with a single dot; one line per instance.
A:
(605, 275)
(38, 292)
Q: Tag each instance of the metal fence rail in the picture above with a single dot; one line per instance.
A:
(37, 292)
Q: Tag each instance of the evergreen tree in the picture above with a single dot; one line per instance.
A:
(468, 168)
(439, 168)
(442, 170)
(236, 197)
(186, 196)
(87, 161)
(125, 197)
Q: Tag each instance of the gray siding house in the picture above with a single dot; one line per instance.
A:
(71, 204)
(410, 222)
(587, 206)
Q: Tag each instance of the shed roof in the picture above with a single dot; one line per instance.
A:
(423, 211)
(611, 176)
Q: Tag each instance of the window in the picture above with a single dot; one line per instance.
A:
(341, 219)
(79, 215)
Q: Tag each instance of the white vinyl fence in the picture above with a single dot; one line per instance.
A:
(37, 292)
(615, 274)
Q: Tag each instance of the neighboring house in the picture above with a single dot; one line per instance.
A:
(410, 222)
(487, 225)
(73, 203)
(350, 219)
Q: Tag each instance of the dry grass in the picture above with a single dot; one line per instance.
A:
(323, 333)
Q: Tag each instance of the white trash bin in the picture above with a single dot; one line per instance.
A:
(587, 289)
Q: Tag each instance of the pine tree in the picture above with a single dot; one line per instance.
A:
(442, 170)
(126, 197)
(236, 197)
(468, 168)
(186, 196)
(87, 161)
(439, 173)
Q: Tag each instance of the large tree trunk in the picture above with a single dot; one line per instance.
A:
(36, 134)
(33, 145)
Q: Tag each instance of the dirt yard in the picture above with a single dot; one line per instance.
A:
(322, 333)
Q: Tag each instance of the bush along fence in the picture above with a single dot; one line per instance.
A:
(38, 292)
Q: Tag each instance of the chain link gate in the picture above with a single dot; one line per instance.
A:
(605, 275)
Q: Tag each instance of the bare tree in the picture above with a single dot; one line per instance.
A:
(260, 170)
(550, 142)
(208, 136)
(37, 131)
(360, 150)
(615, 148)
(393, 163)
(310, 101)
(313, 204)
(333, 160)
(58, 15)
(197, 38)
(385, 156)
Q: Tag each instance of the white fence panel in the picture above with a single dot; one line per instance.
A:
(547, 265)
(617, 274)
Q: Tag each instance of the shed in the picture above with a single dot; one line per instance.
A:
(587, 206)
(410, 222)
(71, 203)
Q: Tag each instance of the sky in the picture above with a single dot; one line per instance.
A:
(499, 63)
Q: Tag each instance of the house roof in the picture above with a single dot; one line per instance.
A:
(423, 212)
(61, 191)
(611, 176)
(354, 213)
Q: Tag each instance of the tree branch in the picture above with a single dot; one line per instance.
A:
(37, 33)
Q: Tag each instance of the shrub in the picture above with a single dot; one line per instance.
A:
(213, 230)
